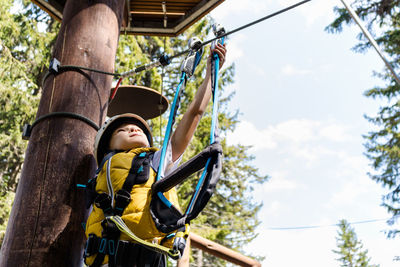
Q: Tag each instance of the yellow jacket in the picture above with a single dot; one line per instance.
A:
(137, 214)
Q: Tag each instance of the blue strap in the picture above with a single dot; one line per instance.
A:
(103, 244)
(171, 121)
(169, 125)
(111, 247)
(164, 199)
(214, 120)
(168, 131)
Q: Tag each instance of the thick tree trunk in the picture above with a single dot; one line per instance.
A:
(45, 223)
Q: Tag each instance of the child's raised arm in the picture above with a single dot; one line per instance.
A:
(184, 131)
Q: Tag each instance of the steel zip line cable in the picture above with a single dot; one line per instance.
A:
(371, 39)
(246, 26)
(164, 60)
(157, 63)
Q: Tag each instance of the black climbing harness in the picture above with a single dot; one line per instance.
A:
(113, 206)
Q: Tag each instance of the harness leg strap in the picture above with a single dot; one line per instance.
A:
(188, 168)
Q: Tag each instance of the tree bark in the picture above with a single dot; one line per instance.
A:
(45, 228)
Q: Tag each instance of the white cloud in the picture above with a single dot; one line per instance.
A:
(355, 185)
(234, 48)
(335, 132)
(300, 140)
(297, 131)
(291, 70)
(313, 247)
(247, 134)
(277, 245)
(274, 207)
(279, 182)
(255, 9)
(347, 194)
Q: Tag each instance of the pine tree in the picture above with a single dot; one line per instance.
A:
(382, 145)
(24, 51)
(350, 249)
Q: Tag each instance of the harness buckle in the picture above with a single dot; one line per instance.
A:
(122, 199)
(90, 246)
(179, 245)
(110, 229)
(103, 201)
(180, 239)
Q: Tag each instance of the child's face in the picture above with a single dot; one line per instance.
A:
(128, 136)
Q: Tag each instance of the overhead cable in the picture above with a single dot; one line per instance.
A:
(328, 225)
(164, 60)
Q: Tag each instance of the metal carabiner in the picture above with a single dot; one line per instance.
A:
(191, 61)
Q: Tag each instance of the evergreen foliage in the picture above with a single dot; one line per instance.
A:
(382, 145)
(24, 50)
(350, 249)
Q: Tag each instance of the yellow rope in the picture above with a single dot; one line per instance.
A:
(156, 247)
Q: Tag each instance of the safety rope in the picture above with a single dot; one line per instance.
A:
(174, 254)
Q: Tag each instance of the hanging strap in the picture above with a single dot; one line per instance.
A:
(171, 121)
(187, 69)
(167, 217)
(216, 167)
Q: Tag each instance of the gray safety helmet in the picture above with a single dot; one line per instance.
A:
(103, 136)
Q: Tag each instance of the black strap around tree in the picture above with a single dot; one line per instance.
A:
(27, 129)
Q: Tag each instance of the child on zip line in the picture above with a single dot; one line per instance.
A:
(123, 140)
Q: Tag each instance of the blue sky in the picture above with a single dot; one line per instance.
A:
(300, 94)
